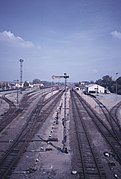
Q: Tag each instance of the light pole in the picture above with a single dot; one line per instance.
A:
(17, 82)
(21, 72)
(116, 85)
(17, 91)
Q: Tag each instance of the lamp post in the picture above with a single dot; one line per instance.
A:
(21, 72)
(116, 85)
(17, 82)
(17, 91)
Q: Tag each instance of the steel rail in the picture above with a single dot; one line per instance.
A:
(13, 112)
(114, 112)
(34, 122)
(114, 124)
(104, 130)
(91, 167)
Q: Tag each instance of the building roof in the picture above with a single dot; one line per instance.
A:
(90, 85)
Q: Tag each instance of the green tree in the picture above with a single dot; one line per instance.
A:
(92, 82)
(26, 84)
(119, 85)
(106, 82)
(99, 82)
(36, 81)
(119, 80)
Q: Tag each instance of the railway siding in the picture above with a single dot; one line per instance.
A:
(105, 141)
(41, 152)
(12, 155)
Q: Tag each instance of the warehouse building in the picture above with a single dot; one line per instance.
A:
(94, 88)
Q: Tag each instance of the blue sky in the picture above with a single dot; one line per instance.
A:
(79, 37)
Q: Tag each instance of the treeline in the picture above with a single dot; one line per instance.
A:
(6, 86)
(113, 86)
(46, 83)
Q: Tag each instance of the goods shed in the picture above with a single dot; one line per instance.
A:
(94, 88)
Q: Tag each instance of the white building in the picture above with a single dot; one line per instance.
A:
(94, 88)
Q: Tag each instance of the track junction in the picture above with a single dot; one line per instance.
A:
(93, 139)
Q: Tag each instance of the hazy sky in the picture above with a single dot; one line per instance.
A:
(79, 37)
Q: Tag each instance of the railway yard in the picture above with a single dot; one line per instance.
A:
(37, 142)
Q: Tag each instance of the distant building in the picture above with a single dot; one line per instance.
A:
(39, 85)
(94, 88)
(83, 84)
(77, 88)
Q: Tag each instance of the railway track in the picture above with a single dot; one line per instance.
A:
(108, 135)
(13, 112)
(110, 139)
(111, 118)
(114, 112)
(34, 122)
(90, 166)
(11, 105)
(8, 116)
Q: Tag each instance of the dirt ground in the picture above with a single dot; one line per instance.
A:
(46, 160)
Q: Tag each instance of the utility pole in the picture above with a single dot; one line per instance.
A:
(116, 85)
(17, 82)
(21, 72)
(17, 91)
(64, 141)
